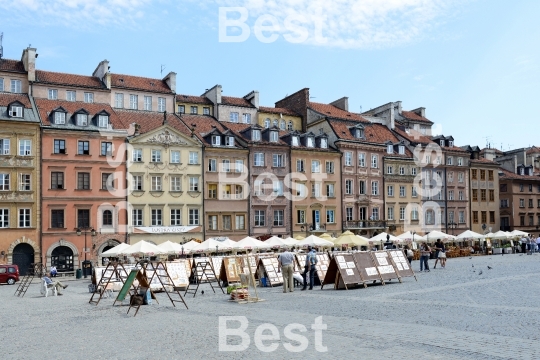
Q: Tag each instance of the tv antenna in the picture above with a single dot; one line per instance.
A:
(487, 141)
(1, 48)
(162, 68)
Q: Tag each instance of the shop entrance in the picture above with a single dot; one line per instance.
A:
(62, 258)
(23, 257)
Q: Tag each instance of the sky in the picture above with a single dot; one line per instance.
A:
(473, 64)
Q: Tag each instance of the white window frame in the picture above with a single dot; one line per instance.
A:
(59, 117)
(119, 100)
(52, 94)
(162, 104)
(374, 188)
(156, 183)
(25, 147)
(216, 140)
(147, 103)
(71, 95)
(258, 159)
(315, 166)
(176, 183)
(278, 160)
(348, 158)
(374, 161)
(194, 216)
(176, 217)
(156, 217)
(133, 102)
(136, 155)
(88, 97)
(25, 216)
(256, 135)
(175, 156)
(193, 157)
(156, 155)
(390, 190)
(194, 184)
(103, 121)
(82, 119)
(273, 136)
(5, 146)
(233, 117)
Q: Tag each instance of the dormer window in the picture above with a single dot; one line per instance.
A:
(310, 141)
(257, 135)
(229, 140)
(290, 126)
(103, 121)
(282, 124)
(216, 140)
(324, 143)
(450, 143)
(294, 141)
(16, 111)
(401, 149)
(275, 123)
(442, 142)
(267, 123)
(530, 171)
(359, 133)
(59, 117)
(521, 171)
(273, 136)
(390, 149)
(82, 120)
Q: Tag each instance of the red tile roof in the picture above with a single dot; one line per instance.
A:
(12, 66)
(235, 101)
(508, 175)
(192, 99)
(275, 110)
(49, 77)
(374, 133)
(8, 98)
(415, 117)
(238, 128)
(201, 124)
(139, 83)
(149, 120)
(533, 150)
(454, 149)
(334, 112)
(484, 161)
(497, 151)
(45, 107)
(412, 135)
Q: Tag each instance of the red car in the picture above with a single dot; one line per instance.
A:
(9, 274)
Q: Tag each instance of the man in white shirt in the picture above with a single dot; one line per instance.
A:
(59, 286)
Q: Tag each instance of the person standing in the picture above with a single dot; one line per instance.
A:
(538, 243)
(440, 254)
(425, 251)
(311, 261)
(409, 253)
(523, 242)
(285, 262)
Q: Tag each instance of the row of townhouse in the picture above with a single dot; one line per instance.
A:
(88, 162)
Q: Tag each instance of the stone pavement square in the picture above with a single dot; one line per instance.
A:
(451, 313)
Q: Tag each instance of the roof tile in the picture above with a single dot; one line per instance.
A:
(49, 77)
(236, 101)
(415, 117)
(508, 175)
(192, 99)
(149, 120)
(12, 66)
(7, 98)
(275, 110)
(334, 112)
(139, 83)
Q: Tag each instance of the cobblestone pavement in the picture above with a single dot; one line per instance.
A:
(451, 313)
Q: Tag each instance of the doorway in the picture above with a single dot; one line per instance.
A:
(23, 257)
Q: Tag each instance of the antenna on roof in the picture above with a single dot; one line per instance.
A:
(360, 109)
(1, 48)
(162, 68)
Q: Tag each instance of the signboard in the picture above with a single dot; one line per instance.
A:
(179, 272)
(270, 267)
(401, 263)
(165, 229)
(342, 270)
(366, 266)
(127, 285)
(231, 268)
(384, 265)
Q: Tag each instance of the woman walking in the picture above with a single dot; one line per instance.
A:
(425, 251)
(409, 253)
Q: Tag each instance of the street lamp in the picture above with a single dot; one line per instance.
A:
(452, 226)
(217, 250)
(85, 231)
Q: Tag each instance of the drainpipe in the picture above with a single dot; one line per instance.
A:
(445, 188)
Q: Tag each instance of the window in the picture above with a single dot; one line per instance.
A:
(460, 177)
(362, 187)
(137, 155)
(474, 175)
(389, 169)
(460, 195)
(226, 165)
(88, 97)
(414, 213)
(427, 159)
(484, 217)
(330, 216)
(450, 195)
(107, 219)
(156, 155)
(59, 146)
(1, 84)
(531, 203)
(330, 190)
(401, 149)
(522, 220)
(226, 222)
(83, 148)
(315, 166)
(475, 195)
(176, 183)
(233, 117)
(106, 148)
(57, 219)
(449, 160)
(240, 222)
(161, 104)
(53, 94)
(257, 188)
(24, 218)
(521, 187)
(24, 183)
(83, 218)
(290, 126)
(438, 160)
(275, 123)
(401, 170)
(267, 123)
(310, 142)
(521, 203)
(390, 213)
(483, 195)
(492, 217)
(259, 217)
(413, 191)
(277, 187)
(358, 133)
(460, 161)
(490, 175)
(462, 217)
(239, 191)
(83, 181)
(390, 191)
(294, 141)
(390, 149)
(482, 175)
(246, 118)
(324, 143)
(216, 140)
(194, 110)
(193, 158)
(530, 188)
(273, 136)
(57, 180)
(315, 189)
(4, 146)
(329, 167)
(157, 217)
(402, 191)
(491, 195)
(374, 188)
(430, 217)
(25, 147)
(212, 191)
(375, 214)
(175, 157)
(258, 159)
(374, 161)
(278, 217)
(348, 186)
(181, 109)
(277, 160)
(256, 135)
(348, 214)
(451, 176)
(348, 158)
(475, 217)
(118, 100)
(82, 119)
(107, 181)
(401, 213)
(229, 140)
(71, 95)
(137, 182)
(413, 171)
(300, 165)
(300, 216)
(59, 117)
(176, 217)
(193, 183)
(206, 110)
(156, 183)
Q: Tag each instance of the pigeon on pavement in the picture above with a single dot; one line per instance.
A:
(480, 273)
(202, 292)
(489, 267)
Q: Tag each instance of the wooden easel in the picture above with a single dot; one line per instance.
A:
(401, 264)
(104, 280)
(367, 267)
(164, 276)
(203, 272)
(343, 270)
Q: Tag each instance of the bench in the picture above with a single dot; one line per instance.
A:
(65, 273)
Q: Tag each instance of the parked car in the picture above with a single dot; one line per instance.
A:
(9, 274)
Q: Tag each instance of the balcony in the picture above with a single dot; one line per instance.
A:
(364, 224)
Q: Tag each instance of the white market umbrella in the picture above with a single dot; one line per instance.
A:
(142, 247)
(275, 242)
(250, 243)
(348, 238)
(313, 240)
(115, 250)
(210, 246)
(468, 234)
(290, 241)
(382, 237)
(435, 234)
(500, 235)
(188, 246)
(518, 233)
(406, 236)
(170, 247)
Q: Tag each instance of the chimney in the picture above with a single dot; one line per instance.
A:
(214, 95)
(103, 74)
(29, 61)
(170, 79)
(421, 111)
(253, 98)
(525, 157)
(398, 105)
(342, 103)
(515, 164)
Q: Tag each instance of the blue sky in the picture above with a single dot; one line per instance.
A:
(474, 64)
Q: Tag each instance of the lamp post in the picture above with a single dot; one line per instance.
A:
(217, 249)
(381, 244)
(452, 226)
(93, 233)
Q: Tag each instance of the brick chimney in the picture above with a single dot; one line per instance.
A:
(253, 98)
(29, 61)
(103, 74)
(170, 79)
(214, 95)
(342, 103)
(299, 102)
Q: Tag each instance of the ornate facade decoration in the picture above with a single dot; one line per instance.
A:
(166, 139)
